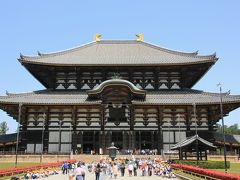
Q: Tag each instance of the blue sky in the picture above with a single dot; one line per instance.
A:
(187, 25)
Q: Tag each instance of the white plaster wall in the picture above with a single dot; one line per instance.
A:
(166, 137)
(53, 148)
(30, 148)
(53, 137)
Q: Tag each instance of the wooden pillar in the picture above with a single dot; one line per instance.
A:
(133, 140)
(94, 142)
(188, 120)
(197, 155)
(206, 155)
(81, 141)
(74, 128)
(152, 139)
(131, 136)
(46, 130)
(60, 118)
(103, 134)
(131, 118)
(102, 141)
(140, 141)
(160, 122)
(129, 139)
(23, 130)
(108, 138)
(125, 145)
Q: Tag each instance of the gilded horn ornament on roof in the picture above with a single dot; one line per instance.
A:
(96, 37)
(139, 37)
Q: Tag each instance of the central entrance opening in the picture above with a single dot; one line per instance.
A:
(146, 143)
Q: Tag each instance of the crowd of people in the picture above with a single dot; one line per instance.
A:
(38, 174)
(42, 173)
(108, 168)
(119, 167)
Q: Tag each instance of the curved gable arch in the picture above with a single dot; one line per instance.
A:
(116, 89)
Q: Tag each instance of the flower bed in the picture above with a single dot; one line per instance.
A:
(13, 171)
(206, 172)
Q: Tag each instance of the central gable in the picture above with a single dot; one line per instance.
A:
(116, 91)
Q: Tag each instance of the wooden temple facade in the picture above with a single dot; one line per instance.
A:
(129, 92)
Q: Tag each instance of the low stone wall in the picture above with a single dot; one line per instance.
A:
(55, 158)
(231, 158)
(90, 158)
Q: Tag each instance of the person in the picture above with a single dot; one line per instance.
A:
(134, 168)
(104, 168)
(65, 168)
(149, 169)
(110, 170)
(97, 171)
(78, 172)
(122, 169)
(90, 167)
(130, 169)
(69, 167)
(115, 170)
(143, 169)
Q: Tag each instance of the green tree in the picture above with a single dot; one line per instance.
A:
(233, 129)
(3, 128)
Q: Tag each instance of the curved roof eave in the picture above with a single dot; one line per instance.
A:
(22, 61)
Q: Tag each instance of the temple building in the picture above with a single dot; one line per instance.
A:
(130, 92)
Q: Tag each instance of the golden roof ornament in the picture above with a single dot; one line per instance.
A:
(96, 37)
(139, 37)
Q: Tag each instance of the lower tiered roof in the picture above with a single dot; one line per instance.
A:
(173, 97)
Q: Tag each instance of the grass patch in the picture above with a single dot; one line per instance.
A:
(5, 165)
(234, 168)
(204, 164)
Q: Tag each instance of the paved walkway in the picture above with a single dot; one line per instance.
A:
(91, 176)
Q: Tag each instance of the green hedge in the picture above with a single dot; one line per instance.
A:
(204, 164)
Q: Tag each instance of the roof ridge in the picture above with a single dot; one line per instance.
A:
(55, 53)
(178, 52)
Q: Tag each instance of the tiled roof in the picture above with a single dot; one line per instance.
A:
(174, 97)
(187, 96)
(47, 97)
(237, 137)
(190, 140)
(228, 138)
(8, 138)
(117, 52)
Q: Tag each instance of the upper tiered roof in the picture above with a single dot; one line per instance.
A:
(117, 53)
